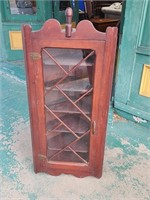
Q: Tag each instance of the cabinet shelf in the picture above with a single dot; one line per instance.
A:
(67, 107)
(60, 141)
(65, 57)
(76, 122)
(52, 74)
(68, 156)
(80, 85)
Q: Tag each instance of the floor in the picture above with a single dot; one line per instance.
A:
(126, 170)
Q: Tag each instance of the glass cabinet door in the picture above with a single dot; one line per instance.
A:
(68, 83)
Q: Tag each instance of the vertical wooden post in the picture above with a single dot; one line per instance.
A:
(69, 14)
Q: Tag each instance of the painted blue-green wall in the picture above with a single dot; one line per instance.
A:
(14, 22)
(134, 53)
(2, 46)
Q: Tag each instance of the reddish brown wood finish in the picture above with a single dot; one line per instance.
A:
(85, 37)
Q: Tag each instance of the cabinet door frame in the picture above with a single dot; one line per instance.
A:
(85, 37)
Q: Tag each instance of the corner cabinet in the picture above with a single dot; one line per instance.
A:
(69, 78)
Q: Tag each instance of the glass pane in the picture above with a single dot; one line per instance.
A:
(68, 79)
(25, 7)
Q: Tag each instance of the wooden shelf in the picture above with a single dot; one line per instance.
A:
(80, 85)
(60, 141)
(65, 57)
(53, 80)
(53, 72)
(76, 122)
(67, 156)
(64, 106)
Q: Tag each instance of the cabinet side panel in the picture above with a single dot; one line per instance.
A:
(103, 87)
(30, 79)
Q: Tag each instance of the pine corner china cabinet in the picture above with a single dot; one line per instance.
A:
(69, 77)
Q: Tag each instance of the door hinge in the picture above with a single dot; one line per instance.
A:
(93, 127)
(35, 55)
(41, 157)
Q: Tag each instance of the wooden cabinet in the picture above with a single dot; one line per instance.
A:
(102, 24)
(69, 79)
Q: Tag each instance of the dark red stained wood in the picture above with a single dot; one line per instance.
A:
(85, 37)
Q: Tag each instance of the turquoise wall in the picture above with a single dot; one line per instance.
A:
(134, 53)
(2, 46)
(14, 22)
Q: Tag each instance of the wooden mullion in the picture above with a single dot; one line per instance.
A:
(77, 155)
(55, 62)
(53, 129)
(60, 81)
(74, 104)
(61, 122)
(81, 97)
(63, 149)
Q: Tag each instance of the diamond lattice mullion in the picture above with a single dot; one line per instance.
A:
(67, 74)
(54, 129)
(71, 143)
(55, 61)
(81, 97)
(77, 155)
(61, 122)
(74, 104)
